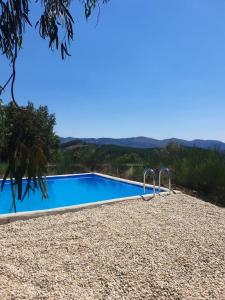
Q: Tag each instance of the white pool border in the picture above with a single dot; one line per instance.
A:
(11, 217)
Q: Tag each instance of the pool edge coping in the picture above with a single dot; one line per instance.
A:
(22, 216)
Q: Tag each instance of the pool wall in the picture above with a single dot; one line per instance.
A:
(7, 218)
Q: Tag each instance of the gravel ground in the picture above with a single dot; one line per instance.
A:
(168, 248)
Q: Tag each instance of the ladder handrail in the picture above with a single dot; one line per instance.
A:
(146, 172)
(165, 170)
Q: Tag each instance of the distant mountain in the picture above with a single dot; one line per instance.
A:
(145, 142)
(66, 139)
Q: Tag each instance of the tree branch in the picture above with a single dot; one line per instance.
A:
(7, 82)
(14, 76)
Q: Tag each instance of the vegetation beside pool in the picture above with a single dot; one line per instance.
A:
(199, 170)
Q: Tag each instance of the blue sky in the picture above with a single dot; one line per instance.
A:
(152, 68)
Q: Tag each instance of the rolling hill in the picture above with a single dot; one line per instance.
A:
(145, 142)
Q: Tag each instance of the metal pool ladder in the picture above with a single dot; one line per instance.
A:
(167, 171)
(146, 172)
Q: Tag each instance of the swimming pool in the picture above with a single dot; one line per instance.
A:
(73, 190)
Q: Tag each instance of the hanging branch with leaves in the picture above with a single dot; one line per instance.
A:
(55, 19)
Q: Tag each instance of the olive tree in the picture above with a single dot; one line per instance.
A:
(29, 143)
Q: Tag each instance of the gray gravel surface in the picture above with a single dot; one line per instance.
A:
(168, 248)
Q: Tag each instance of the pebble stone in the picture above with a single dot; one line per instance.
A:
(170, 247)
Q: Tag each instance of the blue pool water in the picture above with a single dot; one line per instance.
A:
(71, 190)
